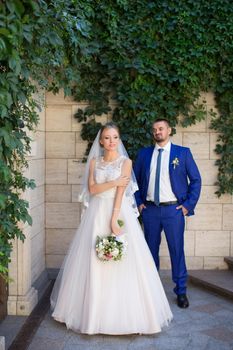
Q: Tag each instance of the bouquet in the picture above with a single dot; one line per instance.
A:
(111, 247)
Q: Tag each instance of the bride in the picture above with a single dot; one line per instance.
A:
(109, 297)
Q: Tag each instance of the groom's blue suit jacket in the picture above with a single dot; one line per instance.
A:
(185, 177)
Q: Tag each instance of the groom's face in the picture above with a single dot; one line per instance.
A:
(161, 132)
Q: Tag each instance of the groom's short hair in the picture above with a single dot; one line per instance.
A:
(162, 120)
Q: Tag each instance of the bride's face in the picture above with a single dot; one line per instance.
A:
(110, 139)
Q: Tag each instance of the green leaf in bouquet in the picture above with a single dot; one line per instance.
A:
(120, 222)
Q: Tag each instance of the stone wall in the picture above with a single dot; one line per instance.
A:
(28, 258)
(209, 234)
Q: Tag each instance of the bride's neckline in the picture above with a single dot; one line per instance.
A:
(110, 161)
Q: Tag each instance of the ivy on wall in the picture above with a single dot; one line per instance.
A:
(151, 58)
(154, 58)
(41, 45)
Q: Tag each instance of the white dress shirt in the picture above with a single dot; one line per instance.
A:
(165, 190)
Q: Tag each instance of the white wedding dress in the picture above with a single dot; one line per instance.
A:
(109, 297)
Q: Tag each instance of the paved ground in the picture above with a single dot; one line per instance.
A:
(206, 325)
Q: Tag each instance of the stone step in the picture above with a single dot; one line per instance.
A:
(229, 261)
(218, 281)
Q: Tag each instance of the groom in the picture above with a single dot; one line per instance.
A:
(169, 187)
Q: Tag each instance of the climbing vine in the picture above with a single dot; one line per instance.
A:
(42, 44)
(154, 59)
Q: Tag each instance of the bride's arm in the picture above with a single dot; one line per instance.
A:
(126, 171)
(95, 188)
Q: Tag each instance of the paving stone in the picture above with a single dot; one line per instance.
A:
(217, 345)
(220, 333)
(41, 343)
(206, 325)
(208, 308)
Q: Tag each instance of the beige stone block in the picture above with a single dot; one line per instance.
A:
(76, 126)
(26, 195)
(208, 171)
(163, 250)
(194, 262)
(212, 243)
(37, 268)
(76, 189)
(37, 145)
(54, 261)
(58, 193)
(56, 171)
(41, 122)
(38, 254)
(231, 253)
(37, 171)
(38, 219)
(210, 110)
(213, 143)
(198, 127)
(62, 215)
(40, 139)
(13, 269)
(189, 244)
(58, 99)
(26, 303)
(60, 145)
(214, 263)
(165, 263)
(228, 217)
(36, 196)
(81, 149)
(198, 143)
(75, 171)
(58, 118)
(208, 196)
(38, 246)
(209, 98)
(102, 118)
(12, 305)
(78, 138)
(177, 139)
(207, 217)
(58, 240)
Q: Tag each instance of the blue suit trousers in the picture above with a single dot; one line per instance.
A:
(171, 220)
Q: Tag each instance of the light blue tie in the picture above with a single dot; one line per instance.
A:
(157, 177)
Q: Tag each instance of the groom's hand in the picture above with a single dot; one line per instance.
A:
(141, 207)
(184, 210)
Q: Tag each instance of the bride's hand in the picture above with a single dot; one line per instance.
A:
(115, 227)
(122, 181)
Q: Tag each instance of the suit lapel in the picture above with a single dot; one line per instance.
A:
(148, 161)
(172, 156)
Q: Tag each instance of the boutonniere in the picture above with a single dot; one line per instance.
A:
(175, 162)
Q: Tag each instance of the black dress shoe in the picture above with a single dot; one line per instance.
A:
(182, 301)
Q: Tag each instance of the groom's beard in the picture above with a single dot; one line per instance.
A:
(159, 139)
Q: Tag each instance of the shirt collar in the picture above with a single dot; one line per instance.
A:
(167, 147)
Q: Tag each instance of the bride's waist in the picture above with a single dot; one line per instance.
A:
(107, 194)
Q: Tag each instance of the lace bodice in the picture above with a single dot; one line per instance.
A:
(108, 171)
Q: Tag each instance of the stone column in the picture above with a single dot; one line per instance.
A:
(28, 257)
(22, 296)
